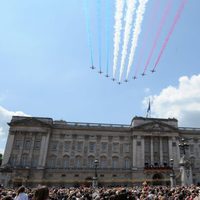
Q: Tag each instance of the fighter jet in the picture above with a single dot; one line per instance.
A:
(134, 77)
(100, 72)
(113, 79)
(126, 80)
(106, 75)
(119, 82)
(153, 70)
(92, 67)
(143, 74)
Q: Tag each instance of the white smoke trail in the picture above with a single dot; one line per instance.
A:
(136, 32)
(117, 34)
(128, 19)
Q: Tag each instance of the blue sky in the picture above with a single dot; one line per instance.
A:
(45, 65)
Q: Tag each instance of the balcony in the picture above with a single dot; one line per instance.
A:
(157, 168)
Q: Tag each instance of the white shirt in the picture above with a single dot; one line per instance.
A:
(21, 196)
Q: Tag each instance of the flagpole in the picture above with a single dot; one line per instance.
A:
(149, 110)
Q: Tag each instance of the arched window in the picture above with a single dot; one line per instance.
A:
(24, 160)
(103, 162)
(13, 160)
(34, 160)
(65, 161)
(91, 161)
(78, 162)
(115, 161)
(52, 162)
(127, 163)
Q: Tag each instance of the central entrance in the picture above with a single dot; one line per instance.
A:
(158, 179)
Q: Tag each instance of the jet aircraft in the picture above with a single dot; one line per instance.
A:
(92, 67)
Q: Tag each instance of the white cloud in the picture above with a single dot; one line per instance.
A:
(181, 102)
(5, 117)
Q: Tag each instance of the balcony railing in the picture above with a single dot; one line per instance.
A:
(86, 168)
(153, 167)
(82, 124)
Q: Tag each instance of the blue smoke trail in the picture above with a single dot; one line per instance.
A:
(99, 30)
(108, 9)
(87, 19)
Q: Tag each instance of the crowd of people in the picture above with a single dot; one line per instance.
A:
(145, 192)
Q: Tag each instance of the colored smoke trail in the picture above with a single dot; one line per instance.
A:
(176, 18)
(150, 24)
(117, 34)
(160, 27)
(99, 30)
(87, 20)
(137, 29)
(108, 8)
(128, 19)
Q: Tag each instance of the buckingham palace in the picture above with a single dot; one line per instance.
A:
(60, 153)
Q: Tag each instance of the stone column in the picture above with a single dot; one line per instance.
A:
(21, 147)
(134, 164)
(178, 156)
(161, 151)
(32, 147)
(170, 148)
(8, 149)
(152, 157)
(142, 153)
(43, 150)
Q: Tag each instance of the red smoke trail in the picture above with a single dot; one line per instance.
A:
(176, 18)
(164, 17)
(152, 17)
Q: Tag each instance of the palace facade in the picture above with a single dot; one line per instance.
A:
(46, 151)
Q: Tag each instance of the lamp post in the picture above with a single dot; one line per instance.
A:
(95, 178)
(185, 165)
(172, 174)
(183, 146)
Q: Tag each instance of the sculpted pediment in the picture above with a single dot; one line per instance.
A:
(156, 127)
(29, 121)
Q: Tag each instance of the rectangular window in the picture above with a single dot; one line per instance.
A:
(67, 146)
(191, 148)
(174, 144)
(104, 146)
(17, 144)
(80, 146)
(138, 143)
(27, 144)
(126, 148)
(54, 146)
(92, 147)
(115, 147)
(37, 144)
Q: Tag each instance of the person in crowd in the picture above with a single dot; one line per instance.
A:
(21, 194)
(41, 193)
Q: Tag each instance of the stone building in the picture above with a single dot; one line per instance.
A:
(41, 150)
